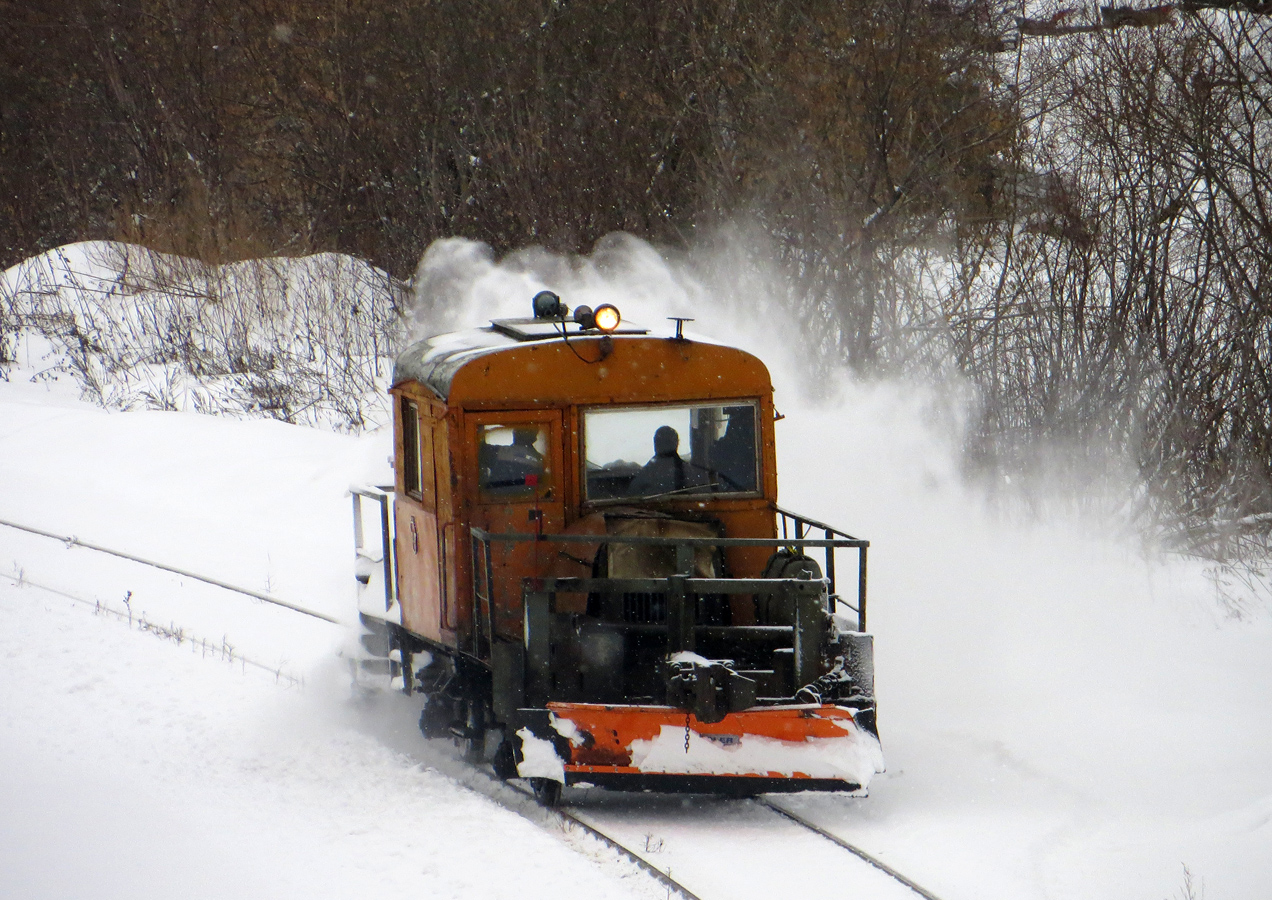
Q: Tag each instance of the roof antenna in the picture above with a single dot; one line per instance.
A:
(680, 327)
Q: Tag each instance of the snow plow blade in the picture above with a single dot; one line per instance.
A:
(805, 747)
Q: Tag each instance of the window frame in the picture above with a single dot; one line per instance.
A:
(753, 402)
(412, 458)
(545, 478)
(551, 489)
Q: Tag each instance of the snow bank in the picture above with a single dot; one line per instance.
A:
(305, 340)
(259, 504)
(133, 769)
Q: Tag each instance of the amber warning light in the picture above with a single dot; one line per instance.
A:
(607, 317)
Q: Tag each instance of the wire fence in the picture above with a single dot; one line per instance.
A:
(72, 541)
(180, 636)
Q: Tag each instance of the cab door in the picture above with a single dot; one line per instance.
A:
(421, 496)
(517, 472)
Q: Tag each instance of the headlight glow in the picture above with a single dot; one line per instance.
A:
(607, 317)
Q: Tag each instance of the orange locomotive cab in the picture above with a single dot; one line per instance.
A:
(590, 562)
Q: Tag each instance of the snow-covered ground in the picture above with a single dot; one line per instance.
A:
(135, 766)
(1061, 717)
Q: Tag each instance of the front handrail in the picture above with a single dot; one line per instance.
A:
(803, 521)
(829, 543)
(483, 574)
(516, 536)
(791, 520)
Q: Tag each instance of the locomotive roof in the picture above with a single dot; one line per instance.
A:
(436, 361)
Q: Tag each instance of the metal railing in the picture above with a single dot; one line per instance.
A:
(483, 595)
(802, 599)
(800, 525)
(383, 495)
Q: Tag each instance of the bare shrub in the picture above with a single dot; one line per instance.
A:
(301, 340)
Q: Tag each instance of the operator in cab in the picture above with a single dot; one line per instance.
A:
(667, 472)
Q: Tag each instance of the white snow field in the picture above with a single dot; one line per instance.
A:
(134, 766)
(1061, 717)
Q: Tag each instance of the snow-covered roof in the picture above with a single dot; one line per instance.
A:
(435, 361)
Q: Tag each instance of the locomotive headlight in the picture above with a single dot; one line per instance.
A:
(607, 317)
(548, 305)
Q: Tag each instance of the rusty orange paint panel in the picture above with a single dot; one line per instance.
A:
(608, 732)
(632, 770)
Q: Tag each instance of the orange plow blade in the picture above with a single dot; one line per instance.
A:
(803, 747)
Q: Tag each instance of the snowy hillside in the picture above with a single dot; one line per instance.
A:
(1062, 717)
(301, 340)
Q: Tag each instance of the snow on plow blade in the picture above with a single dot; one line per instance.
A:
(777, 748)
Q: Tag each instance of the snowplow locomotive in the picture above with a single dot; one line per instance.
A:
(587, 574)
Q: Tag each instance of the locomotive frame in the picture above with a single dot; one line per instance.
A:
(588, 615)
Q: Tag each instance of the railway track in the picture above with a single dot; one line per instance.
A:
(700, 847)
(710, 847)
(851, 848)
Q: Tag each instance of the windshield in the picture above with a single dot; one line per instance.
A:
(670, 451)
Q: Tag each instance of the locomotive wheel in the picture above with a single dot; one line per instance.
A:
(505, 761)
(472, 739)
(436, 717)
(472, 746)
(408, 672)
(546, 791)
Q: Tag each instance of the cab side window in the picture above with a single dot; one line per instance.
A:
(511, 460)
(411, 468)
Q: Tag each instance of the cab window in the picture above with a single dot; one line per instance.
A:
(511, 461)
(662, 451)
(411, 467)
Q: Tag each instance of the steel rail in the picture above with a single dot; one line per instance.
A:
(851, 848)
(614, 844)
(73, 541)
(799, 820)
